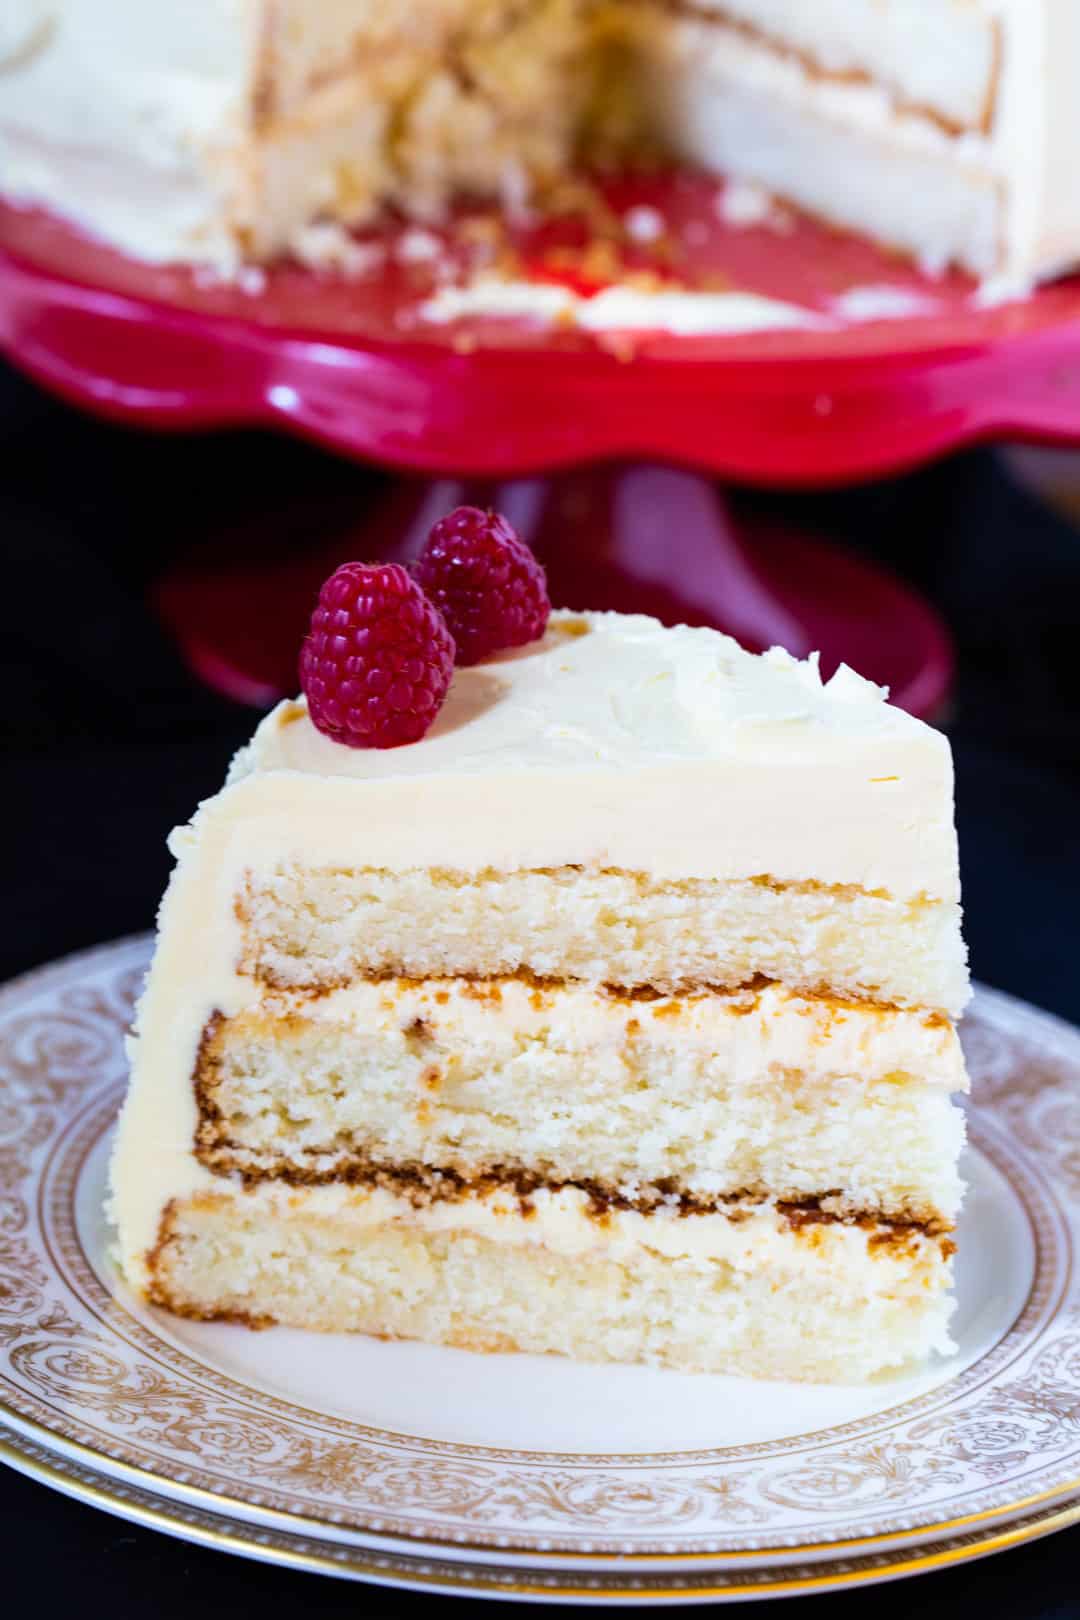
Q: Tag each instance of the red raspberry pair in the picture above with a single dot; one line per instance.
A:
(376, 665)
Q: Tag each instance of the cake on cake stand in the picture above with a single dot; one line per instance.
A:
(497, 361)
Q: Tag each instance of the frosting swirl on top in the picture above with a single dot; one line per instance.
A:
(613, 689)
(616, 742)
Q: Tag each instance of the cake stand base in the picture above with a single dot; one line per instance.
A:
(634, 538)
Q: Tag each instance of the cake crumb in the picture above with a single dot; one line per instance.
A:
(251, 280)
(417, 246)
(743, 204)
(329, 247)
(644, 224)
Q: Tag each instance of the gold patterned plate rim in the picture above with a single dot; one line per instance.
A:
(61, 1032)
(521, 1583)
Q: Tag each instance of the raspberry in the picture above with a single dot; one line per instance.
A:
(486, 583)
(376, 665)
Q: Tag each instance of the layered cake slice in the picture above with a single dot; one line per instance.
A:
(613, 1018)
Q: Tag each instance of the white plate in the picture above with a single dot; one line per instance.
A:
(530, 1463)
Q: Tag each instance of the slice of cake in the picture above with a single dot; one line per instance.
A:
(212, 131)
(612, 1018)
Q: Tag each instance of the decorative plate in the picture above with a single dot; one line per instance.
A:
(736, 1580)
(888, 369)
(379, 1455)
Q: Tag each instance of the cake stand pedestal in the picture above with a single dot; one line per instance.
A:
(882, 370)
(635, 538)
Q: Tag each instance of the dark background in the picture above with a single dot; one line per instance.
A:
(107, 743)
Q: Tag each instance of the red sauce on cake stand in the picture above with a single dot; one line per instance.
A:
(894, 369)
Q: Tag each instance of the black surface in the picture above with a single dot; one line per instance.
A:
(108, 743)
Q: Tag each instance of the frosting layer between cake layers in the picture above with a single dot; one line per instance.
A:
(738, 1096)
(592, 873)
(939, 57)
(757, 1295)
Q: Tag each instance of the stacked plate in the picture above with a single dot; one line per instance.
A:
(519, 1476)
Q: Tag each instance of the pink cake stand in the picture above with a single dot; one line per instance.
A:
(354, 365)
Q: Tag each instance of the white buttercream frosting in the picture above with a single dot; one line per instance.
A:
(672, 752)
(132, 119)
(561, 1221)
(24, 25)
(752, 1032)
